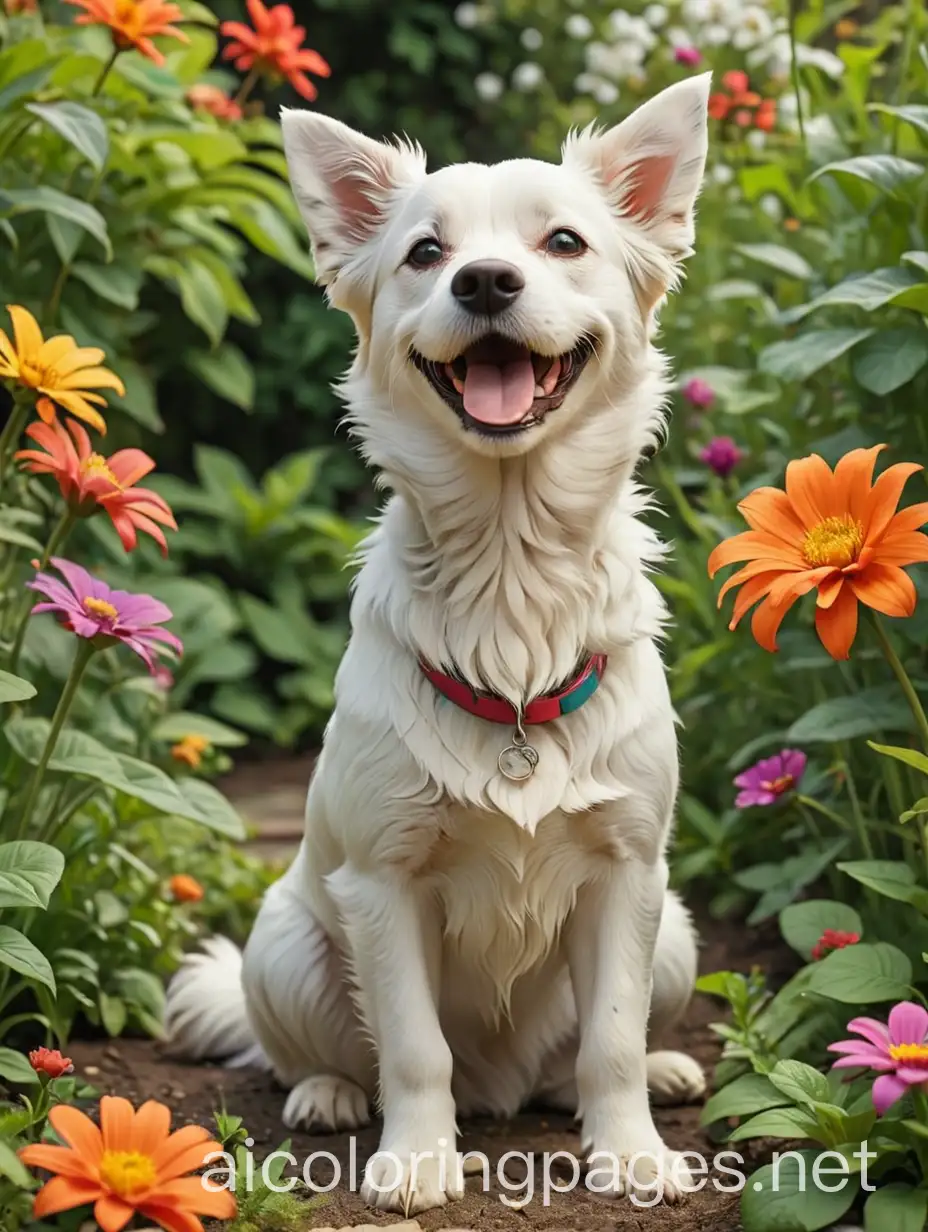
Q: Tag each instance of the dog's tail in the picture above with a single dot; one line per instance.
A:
(205, 1015)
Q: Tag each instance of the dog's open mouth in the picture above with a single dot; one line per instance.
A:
(500, 387)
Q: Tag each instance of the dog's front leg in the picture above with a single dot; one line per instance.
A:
(394, 933)
(611, 938)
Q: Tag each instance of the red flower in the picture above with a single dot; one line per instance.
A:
(215, 101)
(736, 81)
(719, 106)
(766, 117)
(50, 1062)
(274, 47)
(832, 939)
(89, 482)
(743, 118)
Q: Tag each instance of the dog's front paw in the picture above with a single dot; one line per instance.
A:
(326, 1102)
(412, 1181)
(641, 1169)
(675, 1078)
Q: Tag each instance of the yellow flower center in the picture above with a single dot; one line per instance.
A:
(127, 1173)
(910, 1054)
(778, 786)
(100, 607)
(836, 541)
(35, 375)
(95, 465)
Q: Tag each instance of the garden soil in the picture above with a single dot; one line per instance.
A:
(135, 1069)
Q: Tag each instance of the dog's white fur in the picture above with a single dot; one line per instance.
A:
(447, 940)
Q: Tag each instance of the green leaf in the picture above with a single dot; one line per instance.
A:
(802, 924)
(18, 952)
(14, 688)
(51, 201)
(208, 146)
(784, 260)
(842, 718)
(890, 359)
(200, 294)
(227, 373)
(65, 236)
(896, 1208)
(891, 878)
(15, 1067)
(78, 125)
(787, 1123)
(111, 911)
(915, 114)
(139, 402)
(13, 1168)
(866, 291)
(799, 358)
(784, 1195)
(886, 172)
(112, 1014)
(911, 757)
(749, 1094)
(29, 872)
(213, 807)
(271, 234)
(117, 284)
(800, 1083)
(175, 726)
(862, 975)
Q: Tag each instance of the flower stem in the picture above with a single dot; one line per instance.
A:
(83, 655)
(105, 72)
(794, 68)
(915, 702)
(246, 87)
(12, 430)
(56, 539)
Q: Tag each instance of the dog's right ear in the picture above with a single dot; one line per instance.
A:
(344, 183)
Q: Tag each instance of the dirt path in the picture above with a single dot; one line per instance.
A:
(134, 1068)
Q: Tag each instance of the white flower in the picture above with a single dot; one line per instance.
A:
(756, 139)
(705, 11)
(468, 15)
(656, 16)
(754, 27)
(635, 29)
(531, 39)
(489, 87)
(578, 26)
(771, 204)
(605, 92)
(721, 173)
(617, 61)
(527, 76)
(776, 56)
(586, 83)
(676, 36)
(716, 35)
(825, 61)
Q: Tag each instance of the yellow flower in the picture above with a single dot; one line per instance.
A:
(57, 368)
(190, 749)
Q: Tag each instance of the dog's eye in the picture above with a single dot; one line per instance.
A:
(425, 253)
(565, 243)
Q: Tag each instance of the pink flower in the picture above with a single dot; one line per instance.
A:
(698, 393)
(687, 55)
(898, 1051)
(833, 939)
(771, 778)
(721, 455)
(89, 608)
(163, 678)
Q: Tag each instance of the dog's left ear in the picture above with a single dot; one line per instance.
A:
(651, 165)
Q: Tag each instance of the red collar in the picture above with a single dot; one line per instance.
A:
(496, 709)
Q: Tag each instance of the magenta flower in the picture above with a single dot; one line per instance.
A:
(721, 455)
(898, 1051)
(89, 608)
(687, 55)
(698, 393)
(771, 778)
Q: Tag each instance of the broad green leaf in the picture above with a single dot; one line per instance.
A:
(111, 911)
(802, 924)
(227, 373)
(799, 358)
(50, 201)
(866, 291)
(918, 809)
(863, 975)
(890, 359)
(911, 757)
(14, 688)
(915, 114)
(234, 294)
(139, 402)
(29, 872)
(208, 146)
(786, 1123)
(270, 233)
(896, 1208)
(892, 878)
(887, 172)
(918, 258)
(12, 1167)
(117, 284)
(112, 1014)
(15, 1067)
(212, 806)
(784, 260)
(784, 1195)
(25, 67)
(800, 1083)
(747, 1095)
(66, 236)
(175, 726)
(79, 126)
(18, 952)
(842, 718)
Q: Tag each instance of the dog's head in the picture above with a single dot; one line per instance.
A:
(496, 303)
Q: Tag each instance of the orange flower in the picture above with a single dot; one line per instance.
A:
(215, 101)
(274, 47)
(185, 889)
(132, 1163)
(791, 224)
(56, 367)
(89, 482)
(190, 749)
(846, 28)
(21, 6)
(133, 23)
(766, 117)
(836, 533)
(719, 106)
(50, 1062)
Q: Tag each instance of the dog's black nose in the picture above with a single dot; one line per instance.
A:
(487, 287)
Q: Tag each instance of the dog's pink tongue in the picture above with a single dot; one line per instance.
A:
(499, 395)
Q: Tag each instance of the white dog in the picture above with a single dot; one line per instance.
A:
(478, 915)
